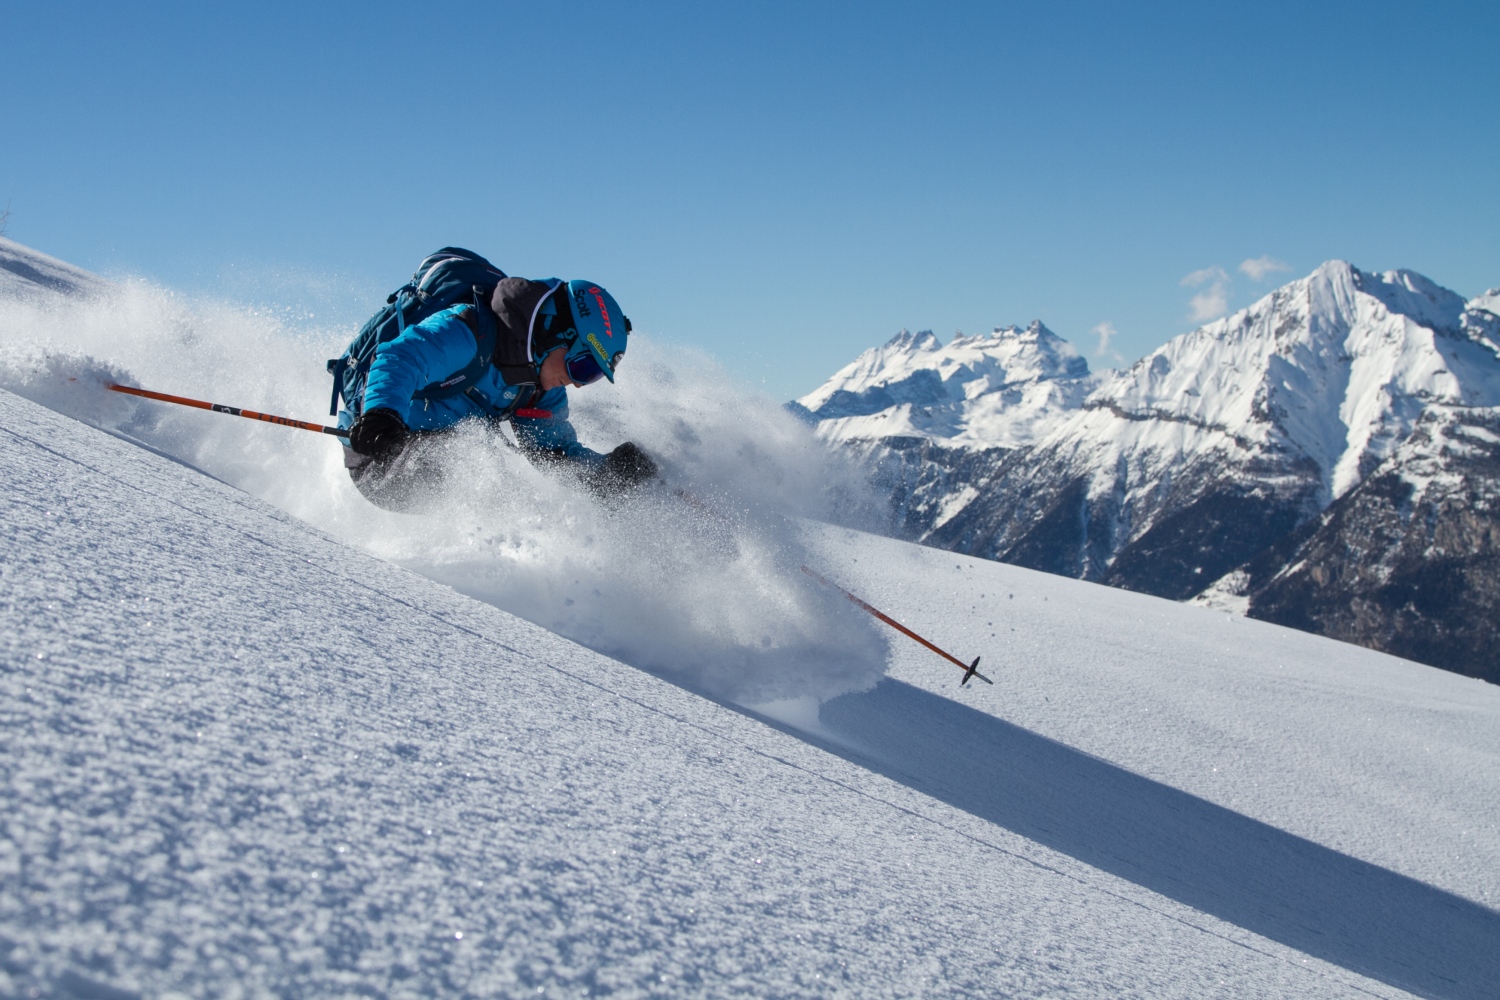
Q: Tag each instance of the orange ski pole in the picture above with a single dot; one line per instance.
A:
(969, 669)
(233, 411)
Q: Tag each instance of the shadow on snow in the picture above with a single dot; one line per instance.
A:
(1309, 897)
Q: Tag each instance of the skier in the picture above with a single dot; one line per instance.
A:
(548, 335)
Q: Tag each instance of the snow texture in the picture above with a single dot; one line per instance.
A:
(243, 759)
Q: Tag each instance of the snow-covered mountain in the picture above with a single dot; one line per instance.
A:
(1170, 474)
(1333, 369)
(1409, 558)
(1007, 389)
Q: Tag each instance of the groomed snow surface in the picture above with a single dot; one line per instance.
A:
(247, 753)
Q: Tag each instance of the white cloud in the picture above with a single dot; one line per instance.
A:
(1213, 301)
(1106, 332)
(1258, 267)
(1205, 276)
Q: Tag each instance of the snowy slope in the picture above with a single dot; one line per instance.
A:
(1387, 760)
(227, 734)
(25, 272)
(241, 757)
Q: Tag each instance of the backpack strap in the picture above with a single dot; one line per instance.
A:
(334, 364)
(519, 407)
(348, 371)
(481, 322)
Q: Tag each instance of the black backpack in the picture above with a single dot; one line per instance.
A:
(444, 279)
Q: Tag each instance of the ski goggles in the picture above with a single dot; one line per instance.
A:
(584, 368)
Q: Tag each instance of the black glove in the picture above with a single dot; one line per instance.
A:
(378, 433)
(624, 469)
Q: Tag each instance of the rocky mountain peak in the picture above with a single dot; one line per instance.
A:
(1332, 369)
(1418, 298)
(909, 342)
(1209, 451)
(915, 386)
(1488, 302)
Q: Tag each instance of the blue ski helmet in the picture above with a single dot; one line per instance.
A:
(602, 327)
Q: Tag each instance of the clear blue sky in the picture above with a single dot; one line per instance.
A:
(783, 184)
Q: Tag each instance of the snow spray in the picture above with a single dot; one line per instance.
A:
(712, 599)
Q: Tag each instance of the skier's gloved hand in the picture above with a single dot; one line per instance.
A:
(378, 433)
(630, 463)
(623, 470)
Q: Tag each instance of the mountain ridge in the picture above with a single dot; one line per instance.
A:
(1005, 387)
(1167, 475)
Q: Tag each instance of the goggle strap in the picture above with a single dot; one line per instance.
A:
(531, 327)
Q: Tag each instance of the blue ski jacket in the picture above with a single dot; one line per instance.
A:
(434, 349)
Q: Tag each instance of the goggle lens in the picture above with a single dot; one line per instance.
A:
(584, 368)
